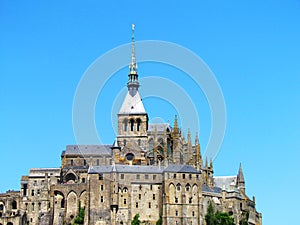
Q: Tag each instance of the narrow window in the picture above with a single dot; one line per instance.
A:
(174, 176)
(98, 162)
(176, 213)
(71, 162)
(149, 205)
(132, 125)
(39, 205)
(84, 162)
(32, 192)
(137, 176)
(154, 177)
(176, 200)
(83, 180)
(153, 196)
(146, 176)
(101, 199)
(190, 200)
(100, 176)
(122, 176)
(32, 206)
(193, 213)
(190, 176)
(138, 126)
(140, 196)
(125, 201)
(102, 187)
(136, 205)
(183, 176)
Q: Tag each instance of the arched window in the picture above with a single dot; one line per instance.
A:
(178, 187)
(125, 125)
(62, 203)
(70, 177)
(151, 143)
(132, 125)
(1, 207)
(138, 125)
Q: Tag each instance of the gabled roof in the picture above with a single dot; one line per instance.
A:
(132, 104)
(88, 150)
(177, 168)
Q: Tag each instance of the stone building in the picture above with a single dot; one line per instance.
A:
(150, 169)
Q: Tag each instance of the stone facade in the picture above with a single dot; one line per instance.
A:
(150, 169)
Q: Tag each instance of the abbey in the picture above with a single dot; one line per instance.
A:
(150, 169)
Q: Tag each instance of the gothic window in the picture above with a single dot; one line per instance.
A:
(62, 203)
(169, 147)
(132, 125)
(178, 187)
(125, 125)
(151, 143)
(187, 187)
(138, 125)
(14, 205)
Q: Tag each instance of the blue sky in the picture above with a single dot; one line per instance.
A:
(252, 48)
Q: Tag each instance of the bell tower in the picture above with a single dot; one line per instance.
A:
(132, 117)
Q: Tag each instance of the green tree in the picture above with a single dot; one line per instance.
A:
(80, 218)
(136, 220)
(217, 218)
(159, 221)
(224, 219)
(210, 216)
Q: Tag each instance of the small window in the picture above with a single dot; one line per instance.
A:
(190, 200)
(100, 176)
(136, 205)
(14, 205)
(101, 199)
(154, 177)
(174, 176)
(149, 205)
(176, 213)
(38, 192)
(183, 176)
(197, 176)
(193, 213)
(140, 196)
(146, 176)
(83, 180)
(125, 201)
(122, 176)
(98, 162)
(35, 183)
(137, 176)
(176, 200)
(153, 196)
(102, 187)
(32, 192)
(32, 206)
(151, 187)
(71, 162)
(84, 162)
(40, 205)
(190, 176)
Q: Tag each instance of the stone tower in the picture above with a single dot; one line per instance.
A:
(132, 117)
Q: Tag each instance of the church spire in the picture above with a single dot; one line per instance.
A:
(133, 83)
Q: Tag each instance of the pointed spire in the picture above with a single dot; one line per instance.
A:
(189, 137)
(133, 83)
(240, 176)
(133, 65)
(211, 165)
(176, 130)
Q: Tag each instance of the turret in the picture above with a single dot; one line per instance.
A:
(240, 179)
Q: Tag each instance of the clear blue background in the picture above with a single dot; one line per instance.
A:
(252, 47)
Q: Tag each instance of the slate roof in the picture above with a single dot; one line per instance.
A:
(132, 104)
(126, 169)
(225, 181)
(142, 169)
(160, 127)
(215, 190)
(87, 150)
